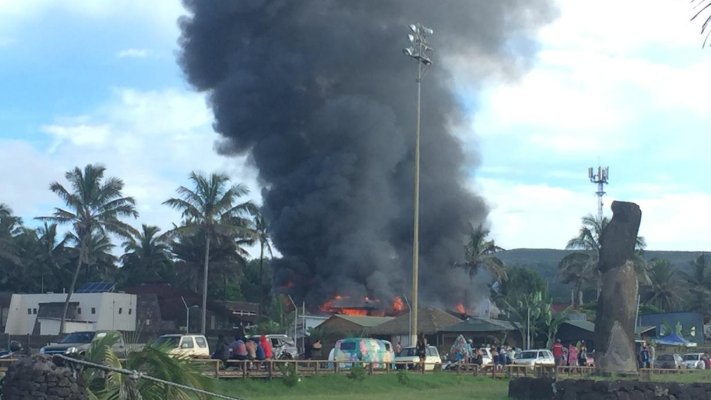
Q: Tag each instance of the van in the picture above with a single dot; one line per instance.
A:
(184, 345)
(366, 350)
(76, 344)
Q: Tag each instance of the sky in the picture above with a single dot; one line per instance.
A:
(618, 84)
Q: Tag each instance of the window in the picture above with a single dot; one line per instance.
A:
(29, 311)
(93, 310)
(187, 343)
(201, 342)
(78, 310)
(34, 311)
(129, 311)
(120, 310)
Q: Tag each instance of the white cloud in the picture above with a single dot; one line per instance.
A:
(152, 140)
(133, 53)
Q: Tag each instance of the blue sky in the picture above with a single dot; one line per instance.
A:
(621, 85)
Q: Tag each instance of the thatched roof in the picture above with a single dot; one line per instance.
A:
(429, 322)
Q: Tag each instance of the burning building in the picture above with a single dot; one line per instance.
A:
(321, 99)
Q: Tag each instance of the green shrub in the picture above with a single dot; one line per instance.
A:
(291, 378)
(403, 377)
(357, 372)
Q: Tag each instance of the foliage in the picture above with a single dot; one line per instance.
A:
(479, 253)
(403, 377)
(95, 207)
(665, 291)
(518, 283)
(357, 372)
(211, 211)
(146, 258)
(155, 362)
(290, 376)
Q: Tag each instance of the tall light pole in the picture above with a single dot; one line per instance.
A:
(600, 178)
(419, 51)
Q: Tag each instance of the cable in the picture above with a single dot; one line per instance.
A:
(138, 375)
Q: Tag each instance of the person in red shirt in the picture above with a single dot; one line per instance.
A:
(268, 354)
(557, 351)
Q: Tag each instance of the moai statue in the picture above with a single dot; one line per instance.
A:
(617, 304)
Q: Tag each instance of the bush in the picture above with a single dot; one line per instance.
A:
(357, 372)
(403, 377)
(291, 378)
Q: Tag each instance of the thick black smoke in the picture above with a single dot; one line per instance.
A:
(320, 96)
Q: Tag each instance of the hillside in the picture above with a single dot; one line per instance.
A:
(545, 262)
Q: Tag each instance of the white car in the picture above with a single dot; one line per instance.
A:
(409, 354)
(486, 358)
(693, 361)
(184, 345)
(533, 358)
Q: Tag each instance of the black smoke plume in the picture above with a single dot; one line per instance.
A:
(320, 96)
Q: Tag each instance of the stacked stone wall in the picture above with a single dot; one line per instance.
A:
(38, 378)
(543, 389)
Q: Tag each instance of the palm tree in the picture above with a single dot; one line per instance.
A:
(152, 361)
(665, 290)
(698, 282)
(581, 267)
(262, 232)
(211, 210)
(10, 226)
(95, 205)
(147, 257)
(700, 7)
(479, 253)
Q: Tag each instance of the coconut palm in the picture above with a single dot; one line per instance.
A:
(94, 205)
(146, 258)
(10, 226)
(665, 291)
(212, 211)
(262, 232)
(581, 267)
(479, 253)
(701, 7)
(698, 281)
(151, 361)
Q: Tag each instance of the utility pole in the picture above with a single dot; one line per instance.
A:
(600, 178)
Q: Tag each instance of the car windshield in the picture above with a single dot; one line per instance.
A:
(691, 357)
(348, 346)
(526, 355)
(408, 352)
(167, 341)
(79, 337)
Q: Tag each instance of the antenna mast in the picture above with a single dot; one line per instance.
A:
(600, 178)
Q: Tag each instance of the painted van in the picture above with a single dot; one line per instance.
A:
(367, 350)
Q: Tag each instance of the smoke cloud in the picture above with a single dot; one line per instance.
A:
(321, 98)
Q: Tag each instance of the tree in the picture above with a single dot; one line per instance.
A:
(665, 291)
(698, 283)
(702, 6)
(211, 210)
(581, 267)
(479, 253)
(262, 233)
(146, 257)
(10, 226)
(94, 206)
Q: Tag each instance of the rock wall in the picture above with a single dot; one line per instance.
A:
(544, 389)
(38, 378)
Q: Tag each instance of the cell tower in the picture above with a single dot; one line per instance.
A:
(600, 178)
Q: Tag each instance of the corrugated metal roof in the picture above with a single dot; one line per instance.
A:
(590, 326)
(481, 325)
(429, 321)
(364, 321)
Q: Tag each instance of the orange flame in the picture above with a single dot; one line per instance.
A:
(327, 306)
(353, 311)
(398, 304)
(460, 308)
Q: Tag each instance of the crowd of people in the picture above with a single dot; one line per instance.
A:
(573, 355)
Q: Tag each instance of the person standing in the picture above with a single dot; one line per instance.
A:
(644, 357)
(267, 347)
(557, 351)
(422, 349)
(316, 350)
(398, 348)
(583, 355)
(572, 355)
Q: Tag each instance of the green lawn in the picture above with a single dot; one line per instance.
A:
(415, 387)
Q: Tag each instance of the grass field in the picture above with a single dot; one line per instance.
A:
(413, 387)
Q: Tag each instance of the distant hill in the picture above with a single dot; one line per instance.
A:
(545, 262)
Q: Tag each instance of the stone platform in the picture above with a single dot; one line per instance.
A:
(587, 389)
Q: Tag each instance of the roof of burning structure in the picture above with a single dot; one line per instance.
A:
(429, 321)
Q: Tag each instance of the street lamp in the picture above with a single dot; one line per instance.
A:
(187, 314)
(296, 315)
(420, 51)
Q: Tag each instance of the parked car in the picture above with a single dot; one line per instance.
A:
(409, 354)
(283, 346)
(693, 361)
(76, 344)
(184, 345)
(486, 358)
(533, 358)
(668, 361)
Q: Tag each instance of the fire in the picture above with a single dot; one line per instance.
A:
(353, 311)
(327, 306)
(398, 304)
(460, 308)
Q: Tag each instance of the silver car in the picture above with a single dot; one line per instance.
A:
(533, 358)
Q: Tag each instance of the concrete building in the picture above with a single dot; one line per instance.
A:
(40, 314)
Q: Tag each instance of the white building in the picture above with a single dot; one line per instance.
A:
(40, 314)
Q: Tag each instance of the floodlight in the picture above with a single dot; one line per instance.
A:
(408, 52)
(428, 31)
(413, 28)
(411, 38)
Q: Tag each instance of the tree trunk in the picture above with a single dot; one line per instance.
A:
(261, 277)
(572, 297)
(71, 287)
(204, 285)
